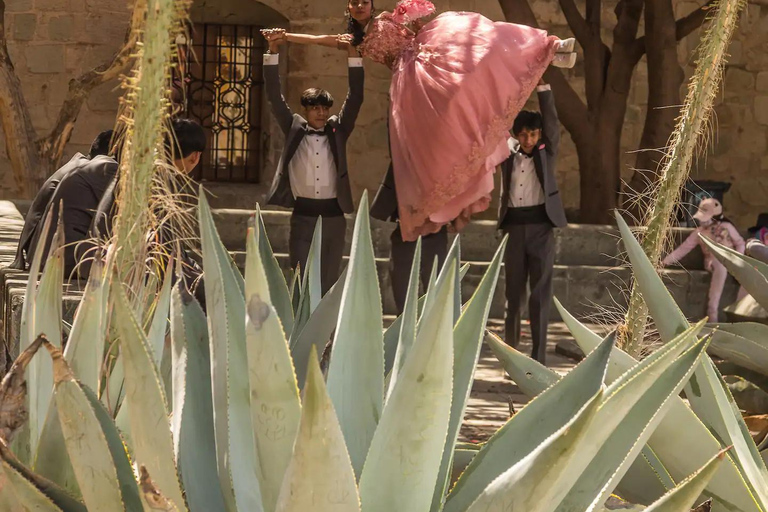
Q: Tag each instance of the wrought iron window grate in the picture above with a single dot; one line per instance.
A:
(222, 83)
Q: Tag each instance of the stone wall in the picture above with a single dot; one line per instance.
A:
(52, 41)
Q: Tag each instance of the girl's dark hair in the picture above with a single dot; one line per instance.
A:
(355, 28)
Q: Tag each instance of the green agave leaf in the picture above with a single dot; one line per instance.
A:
(17, 494)
(745, 344)
(279, 293)
(683, 497)
(682, 451)
(621, 448)
(533, 425)
(468, 337)
(642, 483)
(312, 273)
(356, 371)
(159, 326)
(295, 291)
(47, 321)
(97, 453)
(148, 417)
(707, 393)
(319, 328)
(545, 489)
(751, 273)
(275, 404)
(527, 485)
(392, 333)
(85, 354)
(235, 446)
(192, 421)
(60, 497)
(320, 476)
(415, 418)
(408, 321)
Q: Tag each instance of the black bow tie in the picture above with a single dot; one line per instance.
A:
(310, 131)
(524, 154)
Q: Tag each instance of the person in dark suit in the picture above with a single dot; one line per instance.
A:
(185, 145)
(384, 207)
(312, 176)
(32, 221)
(530, 208)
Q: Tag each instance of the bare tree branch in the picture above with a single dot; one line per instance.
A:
(53, 145)
(576, 21)
(687, 24)
(683, 27)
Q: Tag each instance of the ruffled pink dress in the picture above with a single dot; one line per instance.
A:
(456, 89)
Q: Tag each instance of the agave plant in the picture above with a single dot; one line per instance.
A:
(232, 431)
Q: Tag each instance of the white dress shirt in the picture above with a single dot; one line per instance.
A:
(312, 170)
(524, 188)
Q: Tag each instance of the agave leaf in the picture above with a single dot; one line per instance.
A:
(13, 393)
(148, 418)
(356, 371)
(192, 422)
(295, 291)
(275, 405)
(279, 293)
(642, 483)
(751, 273)
(19, 494)
(235, 450)
(408, 320)
(392, 333)
(745, 344)
(468, 337)
(682, 451)
(151, 496)
(319, 328)
(415, 418)
(529, 428)
(527, 485)
(85, 354)
(97, 453)
(320, 476)
(159, 326)
(707, 393)
(683, 497)
(312, 273)
(56, 494)
(47, 321)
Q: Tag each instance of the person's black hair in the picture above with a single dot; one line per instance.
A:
(527, 119)
(188, 137)
(101, 144)
(314, 96)
(355, 28)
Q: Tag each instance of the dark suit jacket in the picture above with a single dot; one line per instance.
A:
(544, 157)
(294, 127)
(80, 193)
(32, 222)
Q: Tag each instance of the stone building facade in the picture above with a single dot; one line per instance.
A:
(52, 41)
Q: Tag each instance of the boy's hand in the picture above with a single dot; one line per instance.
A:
(275, 37)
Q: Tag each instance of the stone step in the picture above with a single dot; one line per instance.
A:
(576, 244)
(597, 293)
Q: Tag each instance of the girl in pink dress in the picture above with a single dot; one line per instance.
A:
(458, 82)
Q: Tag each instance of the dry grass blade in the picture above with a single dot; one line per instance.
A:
(13, 393)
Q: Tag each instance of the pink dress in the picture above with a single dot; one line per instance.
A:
(456, 89)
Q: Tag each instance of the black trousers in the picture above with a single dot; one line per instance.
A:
(303, 222)
(401, 261)
(530, 253)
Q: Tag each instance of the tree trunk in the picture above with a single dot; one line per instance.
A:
(17, 126)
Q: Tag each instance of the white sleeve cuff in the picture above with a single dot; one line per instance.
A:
(271, 59)
(542, 88)
(355, 62)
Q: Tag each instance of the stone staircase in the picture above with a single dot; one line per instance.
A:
(590, 277)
